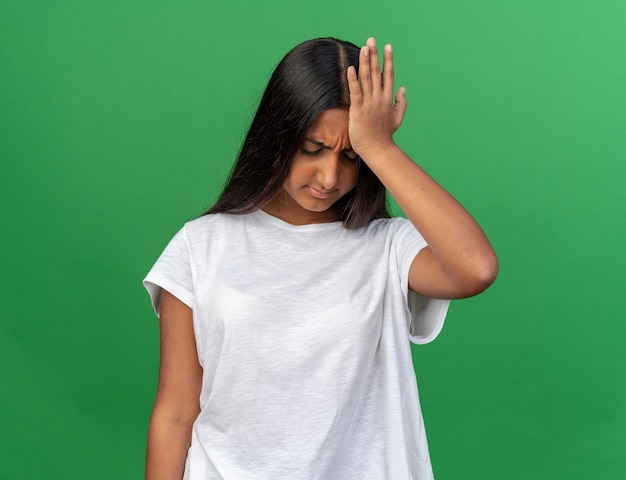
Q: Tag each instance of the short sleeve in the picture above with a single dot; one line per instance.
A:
(172, 272)
(427, 315)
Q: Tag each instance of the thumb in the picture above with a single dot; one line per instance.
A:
(400, 106)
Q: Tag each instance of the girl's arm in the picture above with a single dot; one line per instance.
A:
(459, 260)
(177, 401)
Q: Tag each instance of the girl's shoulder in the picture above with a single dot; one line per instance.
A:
(211, 221)
(390, 224)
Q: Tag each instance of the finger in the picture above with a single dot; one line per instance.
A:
(388, 73)
(365, 80)
(400, 106)
(356, 97)
(374, 64)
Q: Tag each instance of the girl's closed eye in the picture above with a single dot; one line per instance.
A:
(311, 153)
(350, 156)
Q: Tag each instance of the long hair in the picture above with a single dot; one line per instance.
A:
(311, 78)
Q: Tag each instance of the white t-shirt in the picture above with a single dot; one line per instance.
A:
(303, 334)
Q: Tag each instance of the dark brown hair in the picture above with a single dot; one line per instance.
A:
(311, 78)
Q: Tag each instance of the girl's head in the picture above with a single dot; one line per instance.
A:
(309, 80)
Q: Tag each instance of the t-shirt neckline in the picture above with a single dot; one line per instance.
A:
(300, 228)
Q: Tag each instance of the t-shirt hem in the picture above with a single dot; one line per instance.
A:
(155, 283)
(431, 315)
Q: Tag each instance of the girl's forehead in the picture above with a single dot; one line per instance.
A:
(330, 129)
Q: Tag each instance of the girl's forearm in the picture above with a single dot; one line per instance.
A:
(168, 443)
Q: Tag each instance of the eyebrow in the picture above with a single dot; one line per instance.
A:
(321, 144)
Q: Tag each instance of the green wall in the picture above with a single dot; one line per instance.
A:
(119, 121)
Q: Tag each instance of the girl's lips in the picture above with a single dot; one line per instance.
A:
(319, 194)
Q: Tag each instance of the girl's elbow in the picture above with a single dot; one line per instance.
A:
(485, 272)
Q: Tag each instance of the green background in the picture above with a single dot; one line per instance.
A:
(120, 119)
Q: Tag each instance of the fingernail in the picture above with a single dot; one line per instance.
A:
(365, 51)
(371, 42)
(388, 47)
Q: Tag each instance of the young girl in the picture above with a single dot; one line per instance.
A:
(286, 311)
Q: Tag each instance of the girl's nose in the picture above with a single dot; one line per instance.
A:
(329, 171)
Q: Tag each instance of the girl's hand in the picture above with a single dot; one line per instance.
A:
(373, 115)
